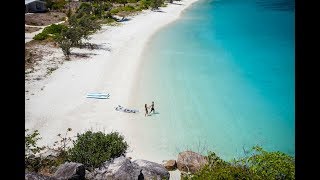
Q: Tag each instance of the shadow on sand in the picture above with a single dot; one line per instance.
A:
(176, 3)
(123, 19)
(158, 10)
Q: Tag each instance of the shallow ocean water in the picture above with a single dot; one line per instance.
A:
(222, 79)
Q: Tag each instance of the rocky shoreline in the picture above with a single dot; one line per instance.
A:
(125, 169)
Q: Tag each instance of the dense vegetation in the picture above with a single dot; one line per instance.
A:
(92, 149)
(89, 148)
(87, 19)
(50, 31)
(260, 165)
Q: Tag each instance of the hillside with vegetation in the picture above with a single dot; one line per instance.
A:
(94, 150)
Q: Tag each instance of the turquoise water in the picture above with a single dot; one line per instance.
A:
(222, 78)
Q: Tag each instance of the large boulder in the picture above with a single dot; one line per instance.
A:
(170, 165)
(120, 168)
(89, 175)
(70, 171)
(189, 161)
(35, 176)
(152, 170)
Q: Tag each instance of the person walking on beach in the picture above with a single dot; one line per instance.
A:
(152, 108)
(146, 108)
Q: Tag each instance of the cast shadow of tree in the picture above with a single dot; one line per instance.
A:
(158, 10)
(176, 3)
(89, 46)
(92, 46)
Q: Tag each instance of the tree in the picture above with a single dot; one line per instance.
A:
(155, 4)
(84, 9)
(124, 2)
(80, 28)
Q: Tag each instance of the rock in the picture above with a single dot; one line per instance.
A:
(70, 170)
(122, 168)
(89, 175)
(35, 176)
(189, 161)
(53, 169)
(170, 165)
(152, 170)
(119, 168)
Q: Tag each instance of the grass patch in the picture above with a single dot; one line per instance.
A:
(108, 21)
(52, 30)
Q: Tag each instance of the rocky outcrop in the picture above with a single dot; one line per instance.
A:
(122, 168)
(189, 161)
(118, 168)
(70, 171)
(89, 175)
(152, 170)
(170, 165)
(35, 176)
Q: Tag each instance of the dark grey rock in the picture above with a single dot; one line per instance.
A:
(89, 175)
(70, 171)
(35, 176)
(120, 168)
(152, 170)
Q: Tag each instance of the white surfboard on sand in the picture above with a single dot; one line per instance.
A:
(98, 97)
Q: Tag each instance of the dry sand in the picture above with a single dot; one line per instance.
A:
(58, 101)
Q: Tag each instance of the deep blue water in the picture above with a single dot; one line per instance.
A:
(222, 77)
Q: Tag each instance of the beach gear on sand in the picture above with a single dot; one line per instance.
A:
(122, 109)
(98, 95)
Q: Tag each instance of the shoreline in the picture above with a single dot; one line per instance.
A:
(62, 104)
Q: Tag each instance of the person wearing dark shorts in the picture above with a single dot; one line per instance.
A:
(152, 108)
(146, 108)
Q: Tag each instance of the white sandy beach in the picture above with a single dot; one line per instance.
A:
(62, 102)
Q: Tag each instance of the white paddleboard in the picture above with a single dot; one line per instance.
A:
(98, 94)
(95, 97)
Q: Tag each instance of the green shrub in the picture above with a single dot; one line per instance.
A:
(155, 4)
(85, 8)
(52, 29)
(223, 171)
(94, 148)
(133, 1)
(107, 6)
(41, 36)
(270, 165)
(260, 165)
(217, 169)
(115, 10)
(32, 163)
(69, 38)
(56, 5)
(123, 2)
(107, 21)
(128, 8)
(145, 4)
